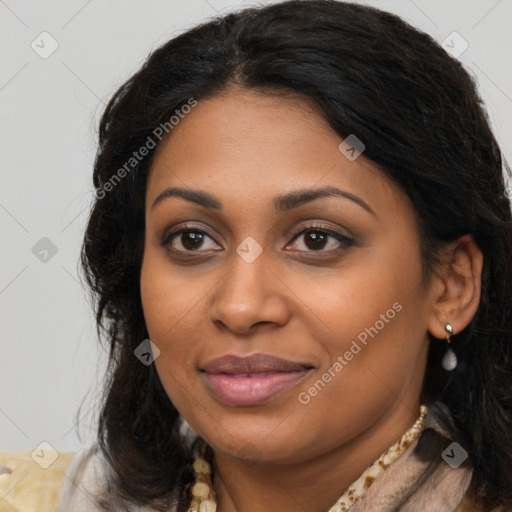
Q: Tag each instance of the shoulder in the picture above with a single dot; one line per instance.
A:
(32, 480)
(85, 485)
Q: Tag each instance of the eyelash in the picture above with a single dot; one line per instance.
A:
(344, 240)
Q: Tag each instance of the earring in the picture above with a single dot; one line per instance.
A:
(449, 361)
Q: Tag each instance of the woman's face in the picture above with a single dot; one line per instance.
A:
(271, 267)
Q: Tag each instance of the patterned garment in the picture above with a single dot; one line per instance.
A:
(356, 490)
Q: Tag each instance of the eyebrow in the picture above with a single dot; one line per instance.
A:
(281, 203)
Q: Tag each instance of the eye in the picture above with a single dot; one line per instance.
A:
(189, 240)
(317, 238)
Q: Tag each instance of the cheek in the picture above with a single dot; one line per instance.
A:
(367, 340)
(174, 314)
(168, 298)
(375, 314)
(374, 358)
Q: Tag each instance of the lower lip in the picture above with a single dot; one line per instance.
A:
(233, 390)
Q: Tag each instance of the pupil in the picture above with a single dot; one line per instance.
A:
(316, 237)
(191, 239)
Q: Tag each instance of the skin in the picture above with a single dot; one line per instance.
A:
(293, 301)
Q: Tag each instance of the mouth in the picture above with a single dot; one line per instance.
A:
(251, 380)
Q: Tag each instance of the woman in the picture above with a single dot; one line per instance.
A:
(300, 254)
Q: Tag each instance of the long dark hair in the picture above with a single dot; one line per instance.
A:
(420, 117)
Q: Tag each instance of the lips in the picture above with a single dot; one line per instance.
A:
(256, 363)
(251, 380)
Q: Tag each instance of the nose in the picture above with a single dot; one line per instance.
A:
(248, 295)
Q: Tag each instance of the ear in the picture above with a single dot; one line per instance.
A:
(456, 287)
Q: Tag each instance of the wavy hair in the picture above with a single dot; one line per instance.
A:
(419, 114)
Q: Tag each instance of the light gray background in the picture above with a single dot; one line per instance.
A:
(50, 359)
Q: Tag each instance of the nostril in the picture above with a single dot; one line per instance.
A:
(5, 470)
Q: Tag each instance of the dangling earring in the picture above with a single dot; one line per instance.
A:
(449, 361)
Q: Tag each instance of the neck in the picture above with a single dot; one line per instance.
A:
(313, 484)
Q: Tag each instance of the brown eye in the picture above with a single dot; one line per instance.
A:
(316, 240)
(189, 240)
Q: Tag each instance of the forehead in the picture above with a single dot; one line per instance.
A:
(244, 145)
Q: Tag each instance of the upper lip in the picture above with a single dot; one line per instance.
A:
(255, 363)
